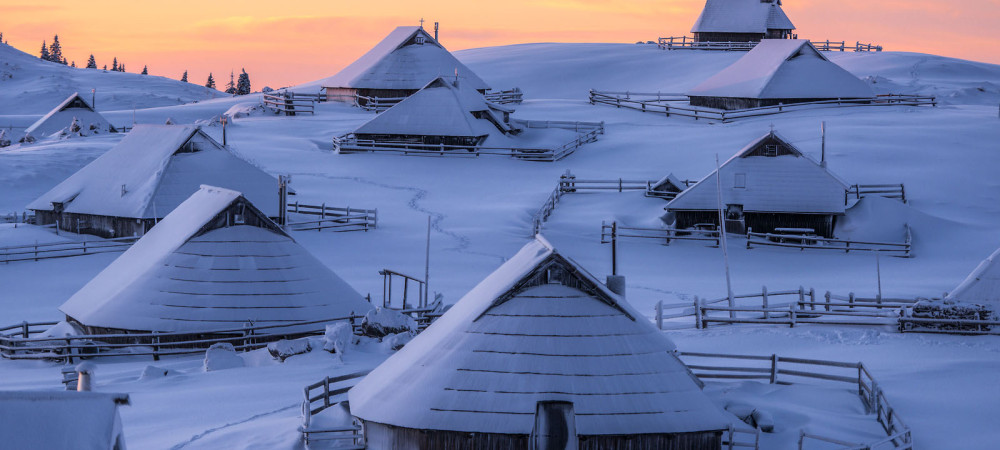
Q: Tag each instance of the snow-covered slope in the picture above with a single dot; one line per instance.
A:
(29, 85)
(570, 70)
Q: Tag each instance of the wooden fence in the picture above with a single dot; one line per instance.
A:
(318, 397)
(20, 341)
(13, 217)
(802, 242)
(510, 96)
(588, 132)
(291, 103)
(673, 105)
(387, 281)
(333, 218)
(786, 370)
(379, 104)
(688, 43)
(859, 191)
(610, 233)
(36, 252)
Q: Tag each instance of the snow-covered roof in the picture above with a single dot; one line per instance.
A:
(669, 183)
(401, 61)
(440, 109)
(982, 285)
(783, 69)
(61, 420)
(201, 269)
(742, 16)
(159, 166)
(61, 117)
(787, 183)
(539, 328)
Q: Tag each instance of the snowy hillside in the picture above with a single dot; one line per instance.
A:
(645, 68)
(30, 86)
(481, 209)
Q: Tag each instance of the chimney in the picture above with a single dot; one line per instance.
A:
(616, 284)
(84, 372)
(822, 155)
(435, 31)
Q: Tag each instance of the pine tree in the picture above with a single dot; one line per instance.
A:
(121, 67)
(74, 64)
(45, 52)
(211, 82)
(55, 51)
(231, 86)
(243, 86)
(105, 67)
(184, 77)
(145, 70)
(91, 63)
(114, 64)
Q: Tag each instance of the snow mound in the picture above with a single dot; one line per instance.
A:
(153, 373)
(382, 322)
(246, 109)
(285, 348)
(338, 337)
(222, 356)
(881, 219)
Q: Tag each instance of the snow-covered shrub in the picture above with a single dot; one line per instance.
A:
(284, 348)
(395, 342)
(338, 337)
(382, 322)
(222, 356)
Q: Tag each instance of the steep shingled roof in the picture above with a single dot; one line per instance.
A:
(741, 16)
(61, 117)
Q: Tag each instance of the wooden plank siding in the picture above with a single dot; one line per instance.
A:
(736, 103)
(388, 437)
(762, 222)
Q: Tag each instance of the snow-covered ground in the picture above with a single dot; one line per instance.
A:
(944, 387)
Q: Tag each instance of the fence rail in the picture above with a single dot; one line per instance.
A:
(802, 242)
(689, 43)
(36, 252)
(859, 191)
(588, 132)
(32, 347)
(291, 103)
(787, 370)
(660, 104)
(509, 96)
(333, 218)
(318, 397)
(23, 217)
(610, 233)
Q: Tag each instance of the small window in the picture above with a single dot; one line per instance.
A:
(771, 150)
(420, 40)
(741, 181)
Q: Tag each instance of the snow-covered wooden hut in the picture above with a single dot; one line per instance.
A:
(982, 286)
(742, 21)
(779, 71)
(667, 188)
(61, 420)
(402, 63)
(73, 116)
(769, 184)
(538, 350)
(151, 171)
(446, 111)
(215, 262)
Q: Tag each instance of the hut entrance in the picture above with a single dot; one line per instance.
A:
(735, 222)
(555, 427)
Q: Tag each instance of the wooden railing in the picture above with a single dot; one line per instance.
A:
(859, 191)
(387, 278)
(786, 370)
(802, 242)
(156, 345)
(689, 43)
(333, 218)
(610, 233)
(14, 217)
(36, 252)
(663, 104)
(291, 103)
(320, 396)
(505, 97)
(588, 133)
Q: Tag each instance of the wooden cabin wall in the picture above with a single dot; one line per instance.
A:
(461, 141)
(387, 437)
(728, 37)
(731, 103)
(823, 224)
(103, 226)
(706, 440)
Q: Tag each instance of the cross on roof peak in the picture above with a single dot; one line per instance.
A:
(421, 22)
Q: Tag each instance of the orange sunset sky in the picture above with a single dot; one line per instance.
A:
(288, 42)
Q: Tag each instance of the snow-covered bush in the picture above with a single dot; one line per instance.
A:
(222, 356)
(284, 348)
(382, 322)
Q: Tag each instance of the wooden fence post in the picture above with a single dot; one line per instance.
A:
(24, 329)
(791, 315)
(326, 392)
(812, 298)
(827, 300)
(802, 298)
(774, 368)
(763, 295)
(697, 314)
(659, 314)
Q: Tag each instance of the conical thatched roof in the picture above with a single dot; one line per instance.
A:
(215, 262)
(540, 328)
